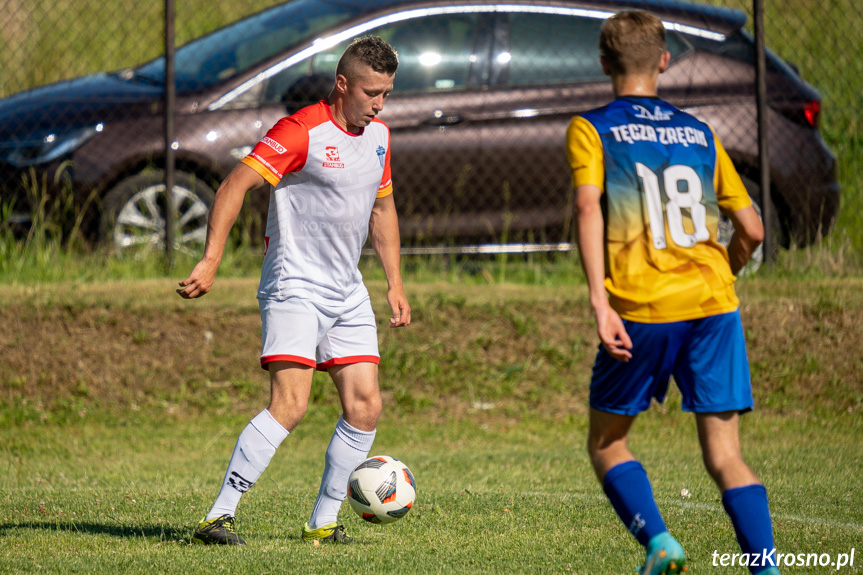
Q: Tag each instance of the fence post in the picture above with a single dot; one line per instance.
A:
(761, 103)
(170, 104)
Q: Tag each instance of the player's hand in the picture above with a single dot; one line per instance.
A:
(613, 334)
(200, 281)
(401, 308)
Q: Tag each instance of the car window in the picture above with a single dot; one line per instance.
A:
(551, 49)
(555, 49)
(435, 54)
(246, 43)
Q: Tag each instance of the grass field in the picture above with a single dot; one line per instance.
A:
(117, 434)
(496, 495)
(120, 402)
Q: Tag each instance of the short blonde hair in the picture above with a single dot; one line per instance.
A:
(632, 41)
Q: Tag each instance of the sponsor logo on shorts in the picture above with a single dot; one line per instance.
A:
(274, 145)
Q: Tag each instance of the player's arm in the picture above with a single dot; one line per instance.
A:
(735, 204)
(748, 235)
(223, 214)
(591, 246)
(384, 232)
(585, 154)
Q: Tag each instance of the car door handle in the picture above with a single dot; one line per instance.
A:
(443, 120)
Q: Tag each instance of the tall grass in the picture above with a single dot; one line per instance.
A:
(44, 41)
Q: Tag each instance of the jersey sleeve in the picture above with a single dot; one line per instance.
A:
(283, 150)
(731, 194)
(386, 187)
(584, 153)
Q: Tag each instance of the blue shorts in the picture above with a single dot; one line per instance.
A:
(707, 358)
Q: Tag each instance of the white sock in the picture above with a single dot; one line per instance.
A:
(348, 448)
(255, 448)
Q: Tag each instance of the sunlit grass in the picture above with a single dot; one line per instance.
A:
(495, 495)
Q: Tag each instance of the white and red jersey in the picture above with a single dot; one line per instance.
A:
(325, 183)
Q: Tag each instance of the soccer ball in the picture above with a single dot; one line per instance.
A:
(381, 489)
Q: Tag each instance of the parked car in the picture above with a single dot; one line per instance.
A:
(482, 98)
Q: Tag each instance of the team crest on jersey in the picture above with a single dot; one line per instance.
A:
(382, 155)
(332, 154)
(658, 114)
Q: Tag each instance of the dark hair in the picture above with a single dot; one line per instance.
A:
(632, 41)
(369, 51)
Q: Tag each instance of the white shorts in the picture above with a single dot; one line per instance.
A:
(300, 331)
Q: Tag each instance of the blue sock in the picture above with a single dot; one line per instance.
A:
(629, 491)
(750, 515)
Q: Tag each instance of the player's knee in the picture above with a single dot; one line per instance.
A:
(368, 410)
(364, 414)
(288, 411)
(719, 463)
(601, 438)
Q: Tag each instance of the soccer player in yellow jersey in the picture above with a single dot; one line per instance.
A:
(651, 182)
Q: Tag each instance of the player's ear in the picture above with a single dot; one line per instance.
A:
(663, 61)
(341, 85)
(605, 67)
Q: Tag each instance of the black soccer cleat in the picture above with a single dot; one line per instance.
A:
(218, 531)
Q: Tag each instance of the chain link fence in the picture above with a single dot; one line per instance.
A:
(481, 102)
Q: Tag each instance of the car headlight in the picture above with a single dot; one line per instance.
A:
(43, 148)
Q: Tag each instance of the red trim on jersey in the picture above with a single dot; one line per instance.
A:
(349, 361)
(291, 358)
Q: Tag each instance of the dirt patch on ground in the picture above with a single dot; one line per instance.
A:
(512, 353)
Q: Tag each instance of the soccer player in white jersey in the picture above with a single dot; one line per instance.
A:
(329, 165)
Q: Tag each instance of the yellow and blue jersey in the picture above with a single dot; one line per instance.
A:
(665, 178)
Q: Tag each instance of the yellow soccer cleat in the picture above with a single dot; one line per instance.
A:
(332, 533)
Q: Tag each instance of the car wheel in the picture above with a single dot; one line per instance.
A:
(726, 229)
(134, 213)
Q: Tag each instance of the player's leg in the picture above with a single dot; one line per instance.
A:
(720, 447)
(623, 478)
(713, 376)
(619, 391)
(743, 495)
(607, 441)
(289, 330)
(349, 446)
(359, 394)
(290, 384)
(349, 352)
